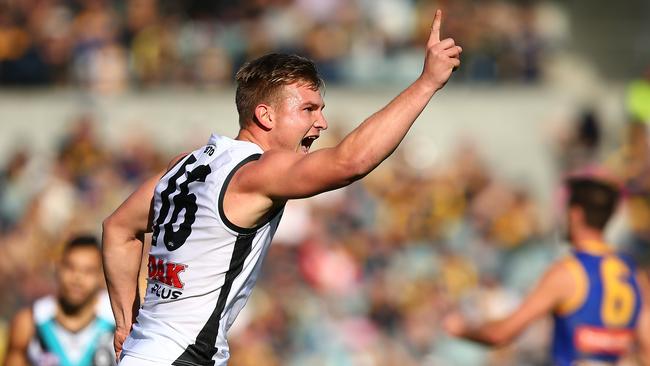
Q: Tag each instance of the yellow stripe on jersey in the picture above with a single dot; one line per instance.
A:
(581, 283)
(619, 298)
(595, 247)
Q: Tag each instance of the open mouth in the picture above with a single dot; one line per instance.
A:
(306, 142)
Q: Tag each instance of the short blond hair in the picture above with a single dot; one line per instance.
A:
(260, 80)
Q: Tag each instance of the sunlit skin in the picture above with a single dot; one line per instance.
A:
(79, 278)
(299, 116)
(293, 120)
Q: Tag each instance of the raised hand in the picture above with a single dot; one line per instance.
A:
(441, 56)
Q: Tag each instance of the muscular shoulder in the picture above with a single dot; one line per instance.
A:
(564, 265)
(252, 175)
(176, 159)
(557, 276)
(247, 201)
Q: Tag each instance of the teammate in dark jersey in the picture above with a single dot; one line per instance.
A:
(598, 299)
(280, 108)
(75, 327)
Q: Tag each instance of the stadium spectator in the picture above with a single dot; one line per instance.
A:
(104, 46)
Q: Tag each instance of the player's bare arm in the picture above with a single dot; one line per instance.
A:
(20, 332)
(282, 174)
(122, 248)
(643, 325)
(555, 288)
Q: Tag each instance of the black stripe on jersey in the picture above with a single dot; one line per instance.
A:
(222, 214)
(201, 352)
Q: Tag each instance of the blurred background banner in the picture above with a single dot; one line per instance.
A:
(97, 95)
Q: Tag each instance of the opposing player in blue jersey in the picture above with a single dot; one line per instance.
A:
(73, 328)
(596, 296)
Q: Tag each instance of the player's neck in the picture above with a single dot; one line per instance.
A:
(589, 239)
(247, 135)
(78, 319)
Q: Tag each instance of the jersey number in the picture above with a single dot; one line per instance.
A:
(618, 294)
(182, 201)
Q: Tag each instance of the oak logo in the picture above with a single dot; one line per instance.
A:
(166, 272)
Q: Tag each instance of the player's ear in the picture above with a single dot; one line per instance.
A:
(264, 116)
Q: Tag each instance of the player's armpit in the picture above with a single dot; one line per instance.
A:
(20, 333)
(555, 286)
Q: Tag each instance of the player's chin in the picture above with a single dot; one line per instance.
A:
(72, 303)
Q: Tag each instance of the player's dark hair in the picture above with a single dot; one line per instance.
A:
(81, 241)
(596, 198)
(260, 80)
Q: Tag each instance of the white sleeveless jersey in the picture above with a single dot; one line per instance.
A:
(53, 345)
(202, 267)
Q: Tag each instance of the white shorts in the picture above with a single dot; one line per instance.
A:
(128, 360)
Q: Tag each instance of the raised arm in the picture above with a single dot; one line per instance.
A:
(555, 287)
(282, 175)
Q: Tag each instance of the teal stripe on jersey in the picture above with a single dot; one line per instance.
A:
(47, 331)
(100, 326)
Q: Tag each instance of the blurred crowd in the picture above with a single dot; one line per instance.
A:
(359, 276)
(106, 46)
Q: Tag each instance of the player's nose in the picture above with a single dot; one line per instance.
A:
(321, 123)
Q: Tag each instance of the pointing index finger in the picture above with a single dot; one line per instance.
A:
(434, 37)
